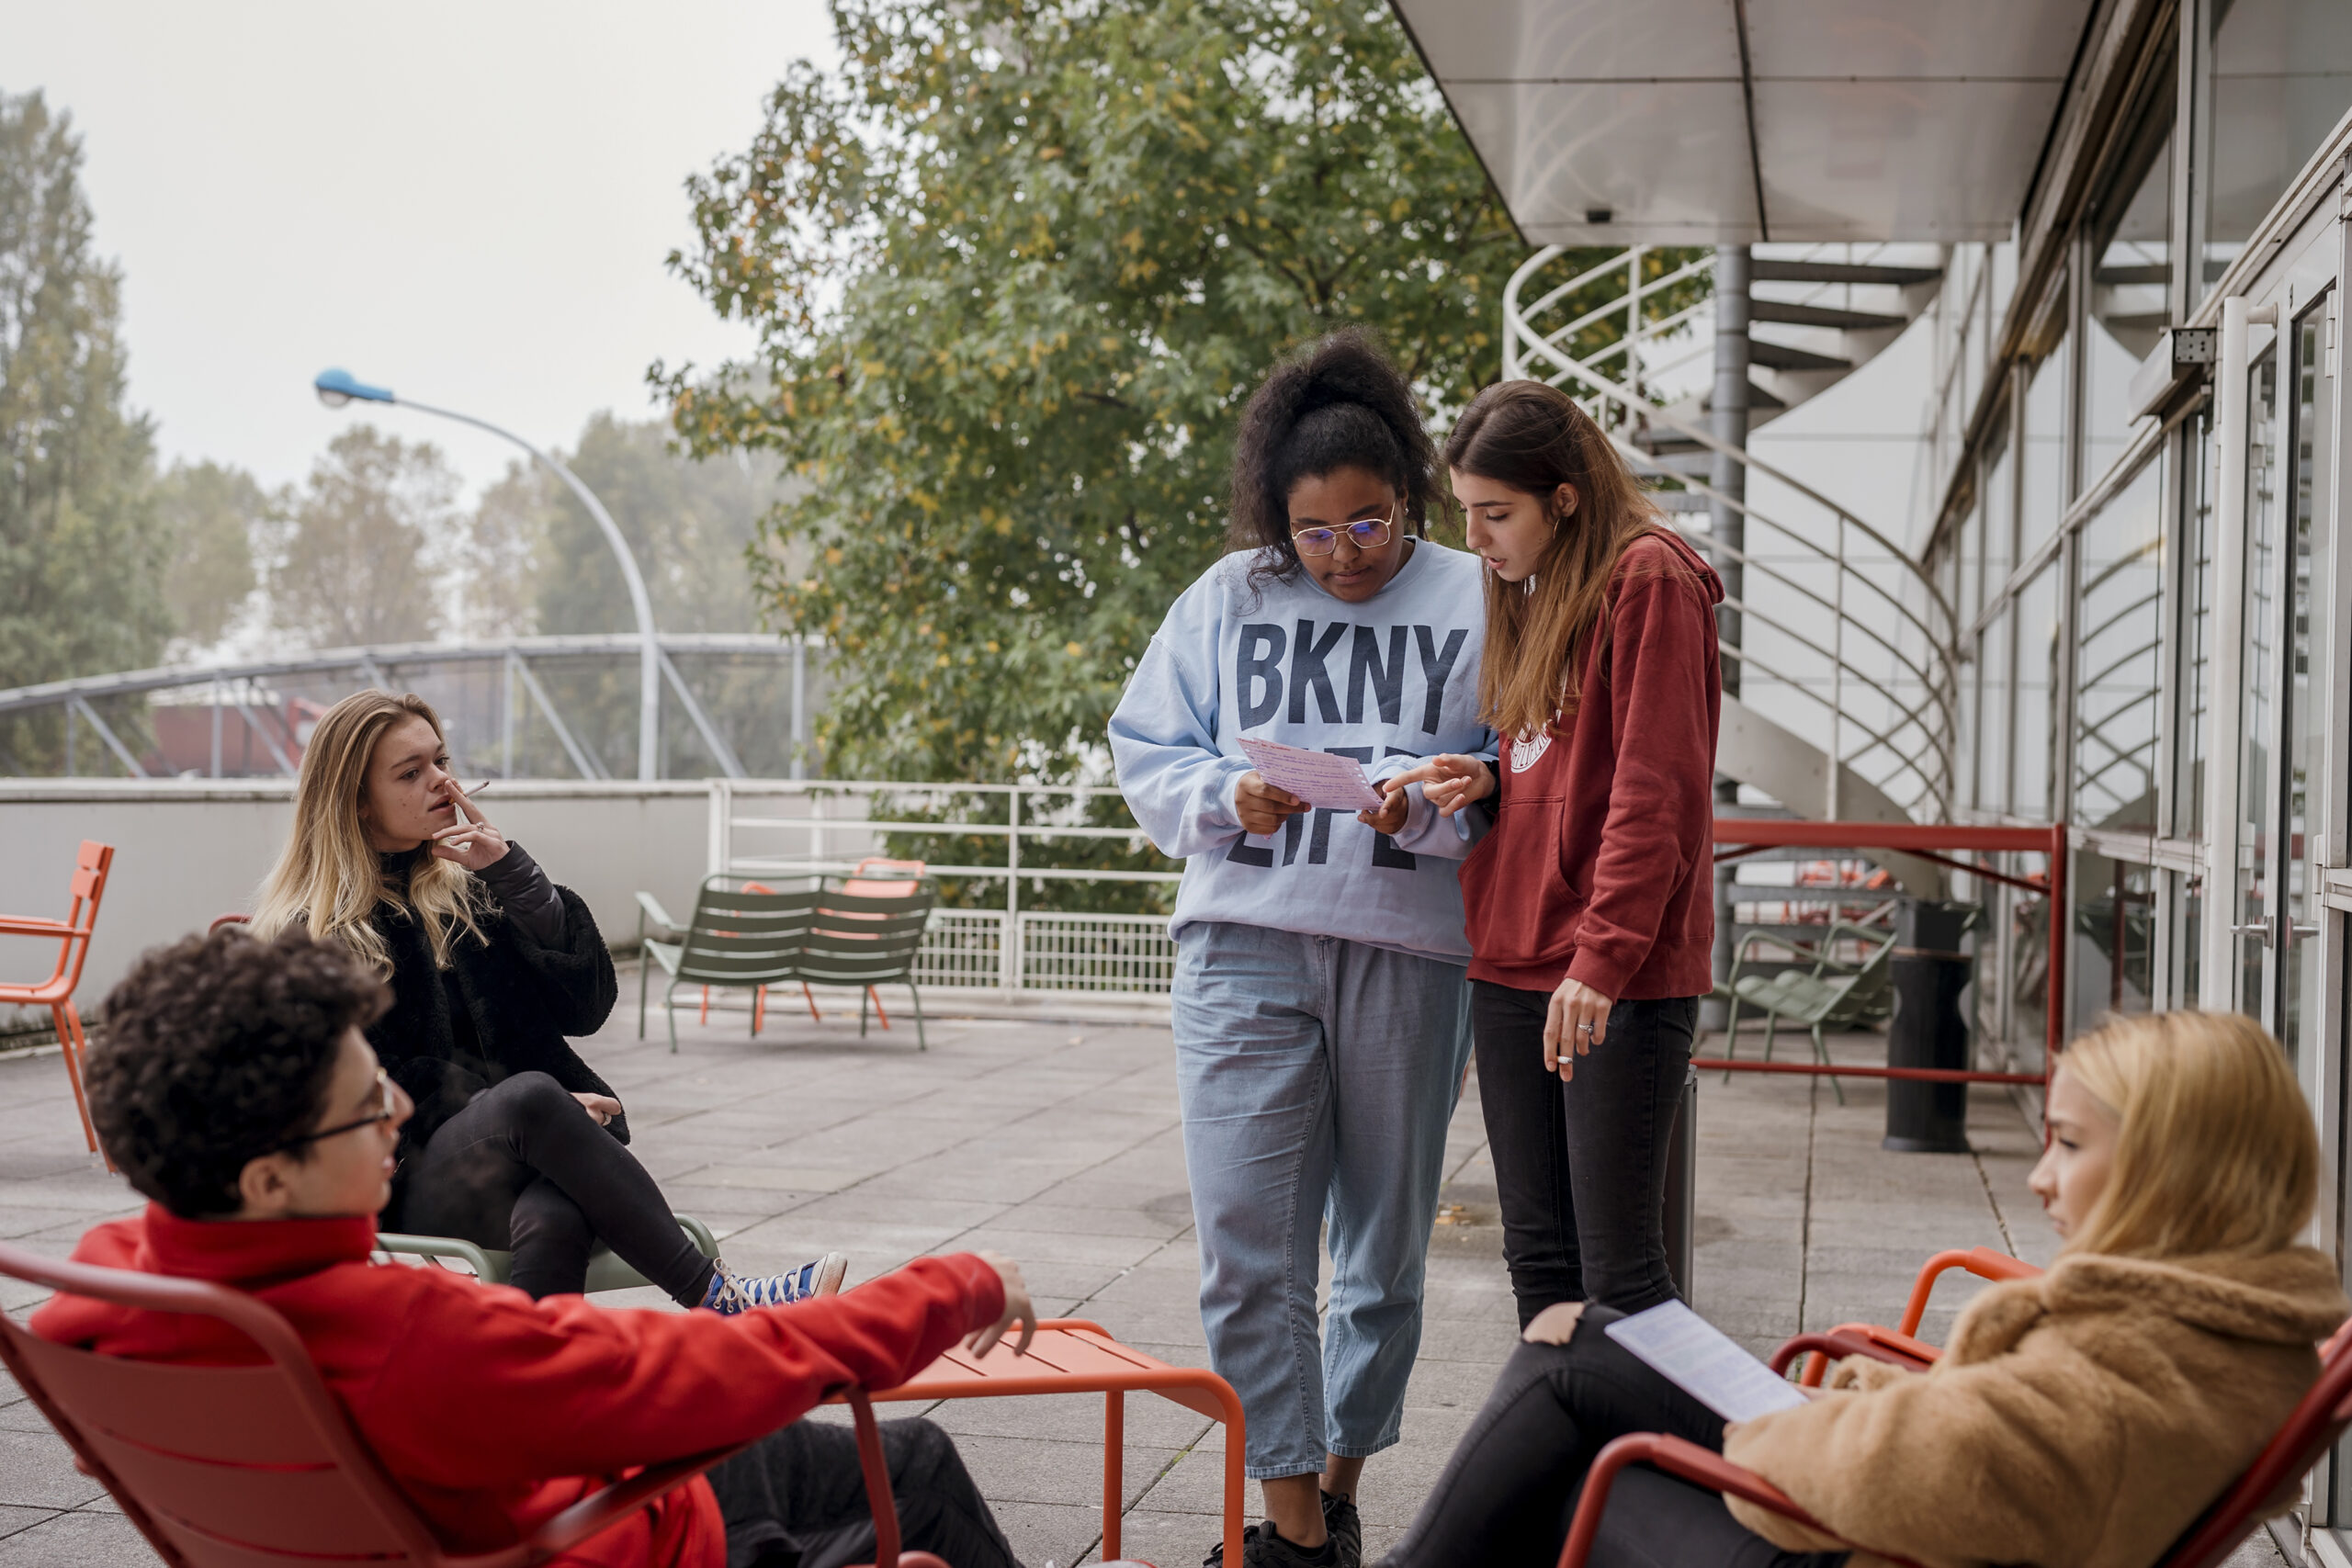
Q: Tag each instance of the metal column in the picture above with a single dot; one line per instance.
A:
(1727, 530)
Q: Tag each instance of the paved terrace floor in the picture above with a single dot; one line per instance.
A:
(1058, 1143)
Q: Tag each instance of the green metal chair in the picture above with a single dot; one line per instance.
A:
(1830, 994)
(737, 938)
(491, 1267)
(863, 939)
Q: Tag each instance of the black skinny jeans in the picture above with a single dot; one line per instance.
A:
(797, 1499)
(1510, 1491)
(1580, 1167)
(525, 1169)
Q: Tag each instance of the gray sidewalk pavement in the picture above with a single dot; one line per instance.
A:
(1059, 1144)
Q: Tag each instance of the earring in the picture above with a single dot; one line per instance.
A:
(1527, 585)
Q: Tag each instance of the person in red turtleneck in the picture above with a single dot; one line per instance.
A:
(234, 1088)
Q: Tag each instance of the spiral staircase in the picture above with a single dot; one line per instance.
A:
(1840, 690)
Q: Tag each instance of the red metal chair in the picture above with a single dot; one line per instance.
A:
(1901, 1344)
(91, 868)
(2270, 1483)
(239, 1467)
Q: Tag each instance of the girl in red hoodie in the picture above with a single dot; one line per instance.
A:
(1590, 905)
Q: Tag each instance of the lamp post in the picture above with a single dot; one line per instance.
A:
(337, 388)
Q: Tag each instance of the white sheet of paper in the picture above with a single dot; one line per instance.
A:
(1696, 1357)
(1315, 777)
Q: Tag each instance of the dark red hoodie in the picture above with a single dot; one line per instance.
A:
(1600, 866)
(493, 1411)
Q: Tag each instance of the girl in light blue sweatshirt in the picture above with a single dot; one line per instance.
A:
(1320, 1009)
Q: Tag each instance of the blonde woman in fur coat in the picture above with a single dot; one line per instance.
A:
(2083, 1418)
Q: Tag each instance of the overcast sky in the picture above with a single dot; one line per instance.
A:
(469, 203)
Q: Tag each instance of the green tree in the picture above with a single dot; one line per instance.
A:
(364, 543)
(211, 514)
(1014, 270)
(82, 552)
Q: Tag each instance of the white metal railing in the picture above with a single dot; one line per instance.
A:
(1851, 627)
(806, 826)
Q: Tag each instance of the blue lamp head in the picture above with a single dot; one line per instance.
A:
(336, 388)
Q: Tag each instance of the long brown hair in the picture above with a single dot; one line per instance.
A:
(328, 879)
(1533, 437)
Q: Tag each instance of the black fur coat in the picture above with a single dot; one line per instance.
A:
(521, 999)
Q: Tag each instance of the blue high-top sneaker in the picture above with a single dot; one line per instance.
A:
(732, 1293)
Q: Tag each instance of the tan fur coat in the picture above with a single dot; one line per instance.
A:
(2083, 1419)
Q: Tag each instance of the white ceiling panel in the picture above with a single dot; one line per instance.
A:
(1874, 119)
(1575, 40)
(1811, 38)
(1668, 161)
(1945, 160)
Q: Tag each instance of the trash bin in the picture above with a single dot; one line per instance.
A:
(1681, 1184)
(1928, 1030)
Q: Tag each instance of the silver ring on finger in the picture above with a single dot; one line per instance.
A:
(1584, 1027)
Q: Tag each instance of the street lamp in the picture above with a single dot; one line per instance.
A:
(337, 388)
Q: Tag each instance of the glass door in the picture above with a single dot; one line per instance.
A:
(2289, 415)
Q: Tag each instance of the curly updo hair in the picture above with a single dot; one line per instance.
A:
(1336, 404)
(218, 1049)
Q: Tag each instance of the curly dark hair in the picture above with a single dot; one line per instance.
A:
(1338, 403)
(216, 1049)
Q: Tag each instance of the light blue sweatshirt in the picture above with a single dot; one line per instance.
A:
(1390, 681)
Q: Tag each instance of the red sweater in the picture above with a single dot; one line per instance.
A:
(493, 1412)
(1599, 866)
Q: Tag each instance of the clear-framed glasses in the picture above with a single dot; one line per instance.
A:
(1368, 534)
(387, 1107)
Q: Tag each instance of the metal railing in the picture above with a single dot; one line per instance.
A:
(1852, 627)
(808, 827)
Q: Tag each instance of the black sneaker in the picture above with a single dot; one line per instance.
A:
(1263, 1547)
(1347, 1529)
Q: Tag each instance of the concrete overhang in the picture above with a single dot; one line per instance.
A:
(1736, 121)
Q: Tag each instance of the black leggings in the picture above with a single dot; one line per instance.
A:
(525, 1169)
(797, 1499)
(1510, 1491)
(1580, 1167)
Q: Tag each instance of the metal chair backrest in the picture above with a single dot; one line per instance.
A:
(227, 1466)
(93, 866)
(2274, 1478)
(856, 938)
(742, 938)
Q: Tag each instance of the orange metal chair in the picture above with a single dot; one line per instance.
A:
(1071, 1355)
(91, 868)
(1900, 1345)
(240, 1467)
(2268, 1485)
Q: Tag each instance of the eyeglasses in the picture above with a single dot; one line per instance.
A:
(1368, 534)
(388, 1108)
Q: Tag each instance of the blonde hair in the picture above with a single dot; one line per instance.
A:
(1533, 437)
(328, 879)
(2214, 1151)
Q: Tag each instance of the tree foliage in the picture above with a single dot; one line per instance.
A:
(365, 543)
(82, 554)
(1014, 272)
(211, 514)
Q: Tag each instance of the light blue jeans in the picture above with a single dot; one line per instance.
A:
(1317, 1077)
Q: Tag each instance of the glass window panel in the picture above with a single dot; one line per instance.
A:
(2045, 451)
(2195, 591)
(2254, 893)
(2282, 77)
(2130, 279)
(1972, 566)
(2037, 682)
(2000, 534)
(2112, 968)
(1993, 716)
(2120, 616)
